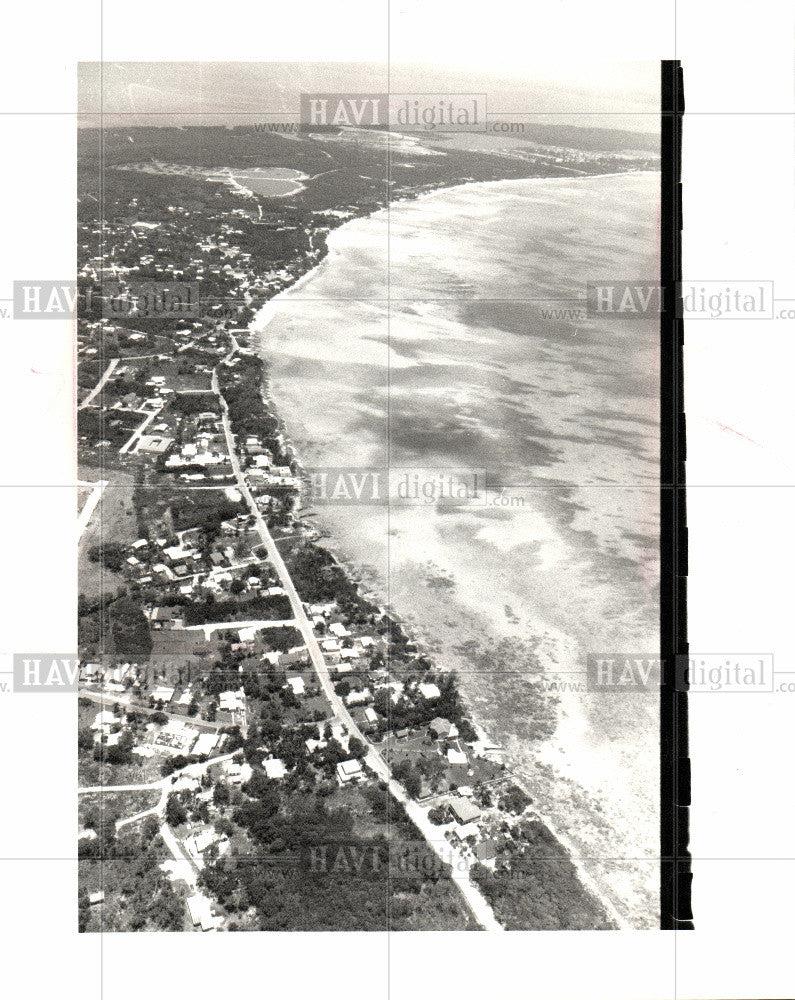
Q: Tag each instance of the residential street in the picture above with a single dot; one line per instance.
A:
(478, 905)
(100, 385)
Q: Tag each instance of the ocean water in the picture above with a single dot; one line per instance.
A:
(422, 341)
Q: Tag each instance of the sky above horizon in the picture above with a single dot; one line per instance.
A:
(607, 95)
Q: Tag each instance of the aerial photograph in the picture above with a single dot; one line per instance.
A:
(368, 476)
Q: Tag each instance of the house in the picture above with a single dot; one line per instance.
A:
(199, 842)
(440, 728)
(464, 810)
(96, 897)
(104, 720)
(205, 744)
(456, 756)
(464, 830)
(152, 442)
(430, 692)
(201, 913)
(293, 657)
(237, 774)
(232, 701)
(163, 694)
(297, 684)
(274, 769)
(349, 770)
(486, 850)
(358, 697)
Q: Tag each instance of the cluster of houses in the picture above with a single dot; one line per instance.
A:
(182, 564)
(203, 451)
(176, 736)
(136, 245)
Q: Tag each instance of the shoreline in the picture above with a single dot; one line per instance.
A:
(311, 520)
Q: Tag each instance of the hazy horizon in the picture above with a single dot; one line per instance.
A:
(621, 96)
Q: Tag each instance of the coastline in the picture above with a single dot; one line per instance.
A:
(257, 335)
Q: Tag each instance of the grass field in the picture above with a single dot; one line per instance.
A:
(115, 805)
(112, 520)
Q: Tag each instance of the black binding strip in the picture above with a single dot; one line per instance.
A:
(675, 870)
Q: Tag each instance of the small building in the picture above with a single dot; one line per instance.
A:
(464, 810)
(205, 744)
(154, 443)
(163, 694)
(274, 769)
(237, 774)
(430, 692)
(440, 728)
(486, 850)
(104, 720)
(201, 913)
(200, 841)
(358, 697)
(96, 897)
(297, 684)
(232, 701)
(349, 770)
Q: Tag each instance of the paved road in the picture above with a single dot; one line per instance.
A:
(90, 505)
(189, 770)
(184, 868)
(165, 785)
(107, 698)
(143, 786)
(479, 906)
(101, 384)
(136, 435)
(257, 623)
